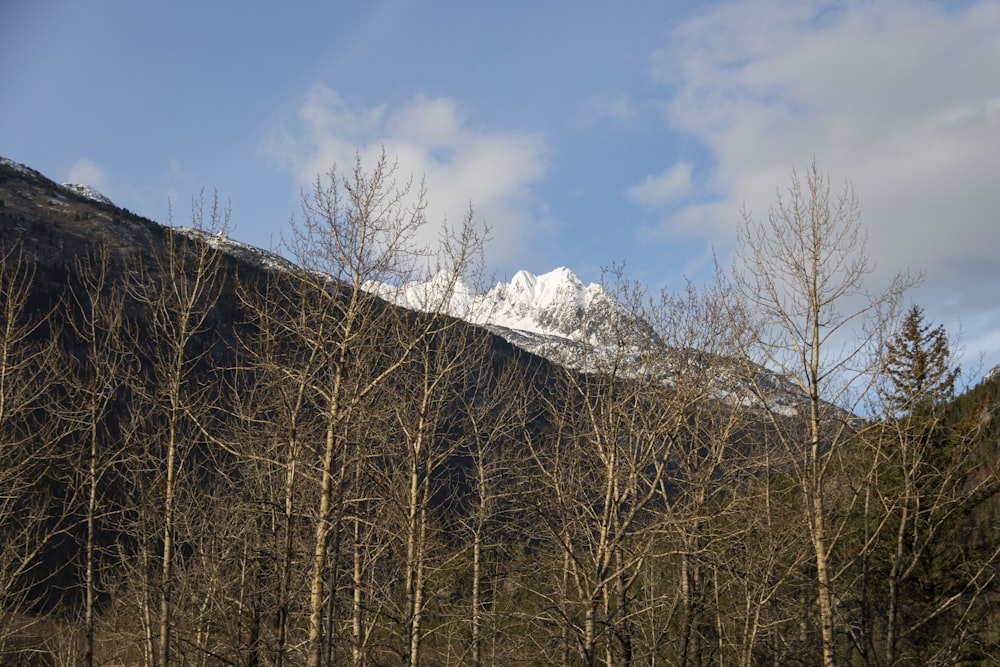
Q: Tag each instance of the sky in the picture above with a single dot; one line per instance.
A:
(609, 133)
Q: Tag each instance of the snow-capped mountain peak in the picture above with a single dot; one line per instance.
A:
(556, 288)
(548, 314)
(556, 303)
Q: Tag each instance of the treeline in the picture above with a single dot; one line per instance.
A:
(204, 462)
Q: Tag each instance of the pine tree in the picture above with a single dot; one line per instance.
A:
(917, 367)
(925, 580)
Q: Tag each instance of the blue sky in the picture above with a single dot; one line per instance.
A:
(583, 134)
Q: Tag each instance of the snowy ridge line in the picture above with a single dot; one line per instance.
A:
(555, 316)
(18, 167)
(222, 242)
(554, 304)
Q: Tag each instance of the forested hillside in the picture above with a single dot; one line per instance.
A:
(206, 459)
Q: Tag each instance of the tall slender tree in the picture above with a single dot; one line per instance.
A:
(177, 292)
(94, 396)
(356, 240)
(799, 278)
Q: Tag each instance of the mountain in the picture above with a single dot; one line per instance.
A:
(557, 317)
(553, 314)
(79, 189)
(550, 314)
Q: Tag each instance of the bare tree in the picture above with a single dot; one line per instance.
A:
(426, 397)
(94, 394)
(356, 236)
(799, 281)
(496, 410)
(284, 356)
(710, 467)
(176, 292)
(601, 464)
(32, 515)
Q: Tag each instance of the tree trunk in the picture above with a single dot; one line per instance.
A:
(166, 576)
(320, 550)
(287, 555)
(91, 532)
(476, 604)
(824, 591)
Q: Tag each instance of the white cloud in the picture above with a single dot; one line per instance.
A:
(662, 189)
(494, 171)
(900, 97)
(87, 172)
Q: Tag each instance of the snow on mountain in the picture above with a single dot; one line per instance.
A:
(992, 373)
(554, 305)
(556, 316)
(76, 188)
(553, 315)
(222, 241)
(429, 296)
(88, 192)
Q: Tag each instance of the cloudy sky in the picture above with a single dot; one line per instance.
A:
(611, 132)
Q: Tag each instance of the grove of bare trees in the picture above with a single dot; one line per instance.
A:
(206, 461)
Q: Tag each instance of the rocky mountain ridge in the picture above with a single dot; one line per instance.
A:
(548, 314)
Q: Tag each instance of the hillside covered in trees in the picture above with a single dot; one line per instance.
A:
(210, 459)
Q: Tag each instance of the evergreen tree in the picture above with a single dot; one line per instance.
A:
(917, 367)
(924, 587)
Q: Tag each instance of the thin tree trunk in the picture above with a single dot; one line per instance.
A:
(823, 581)
(417, 531)
(416, 628)
(320, 552)
(819, 537)
(476, 604)
(892, 601)
(166, 577)
(565, 589)
(91, 531)
(357, 618)
(286, 557)
(334, 585)
(149, 643)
